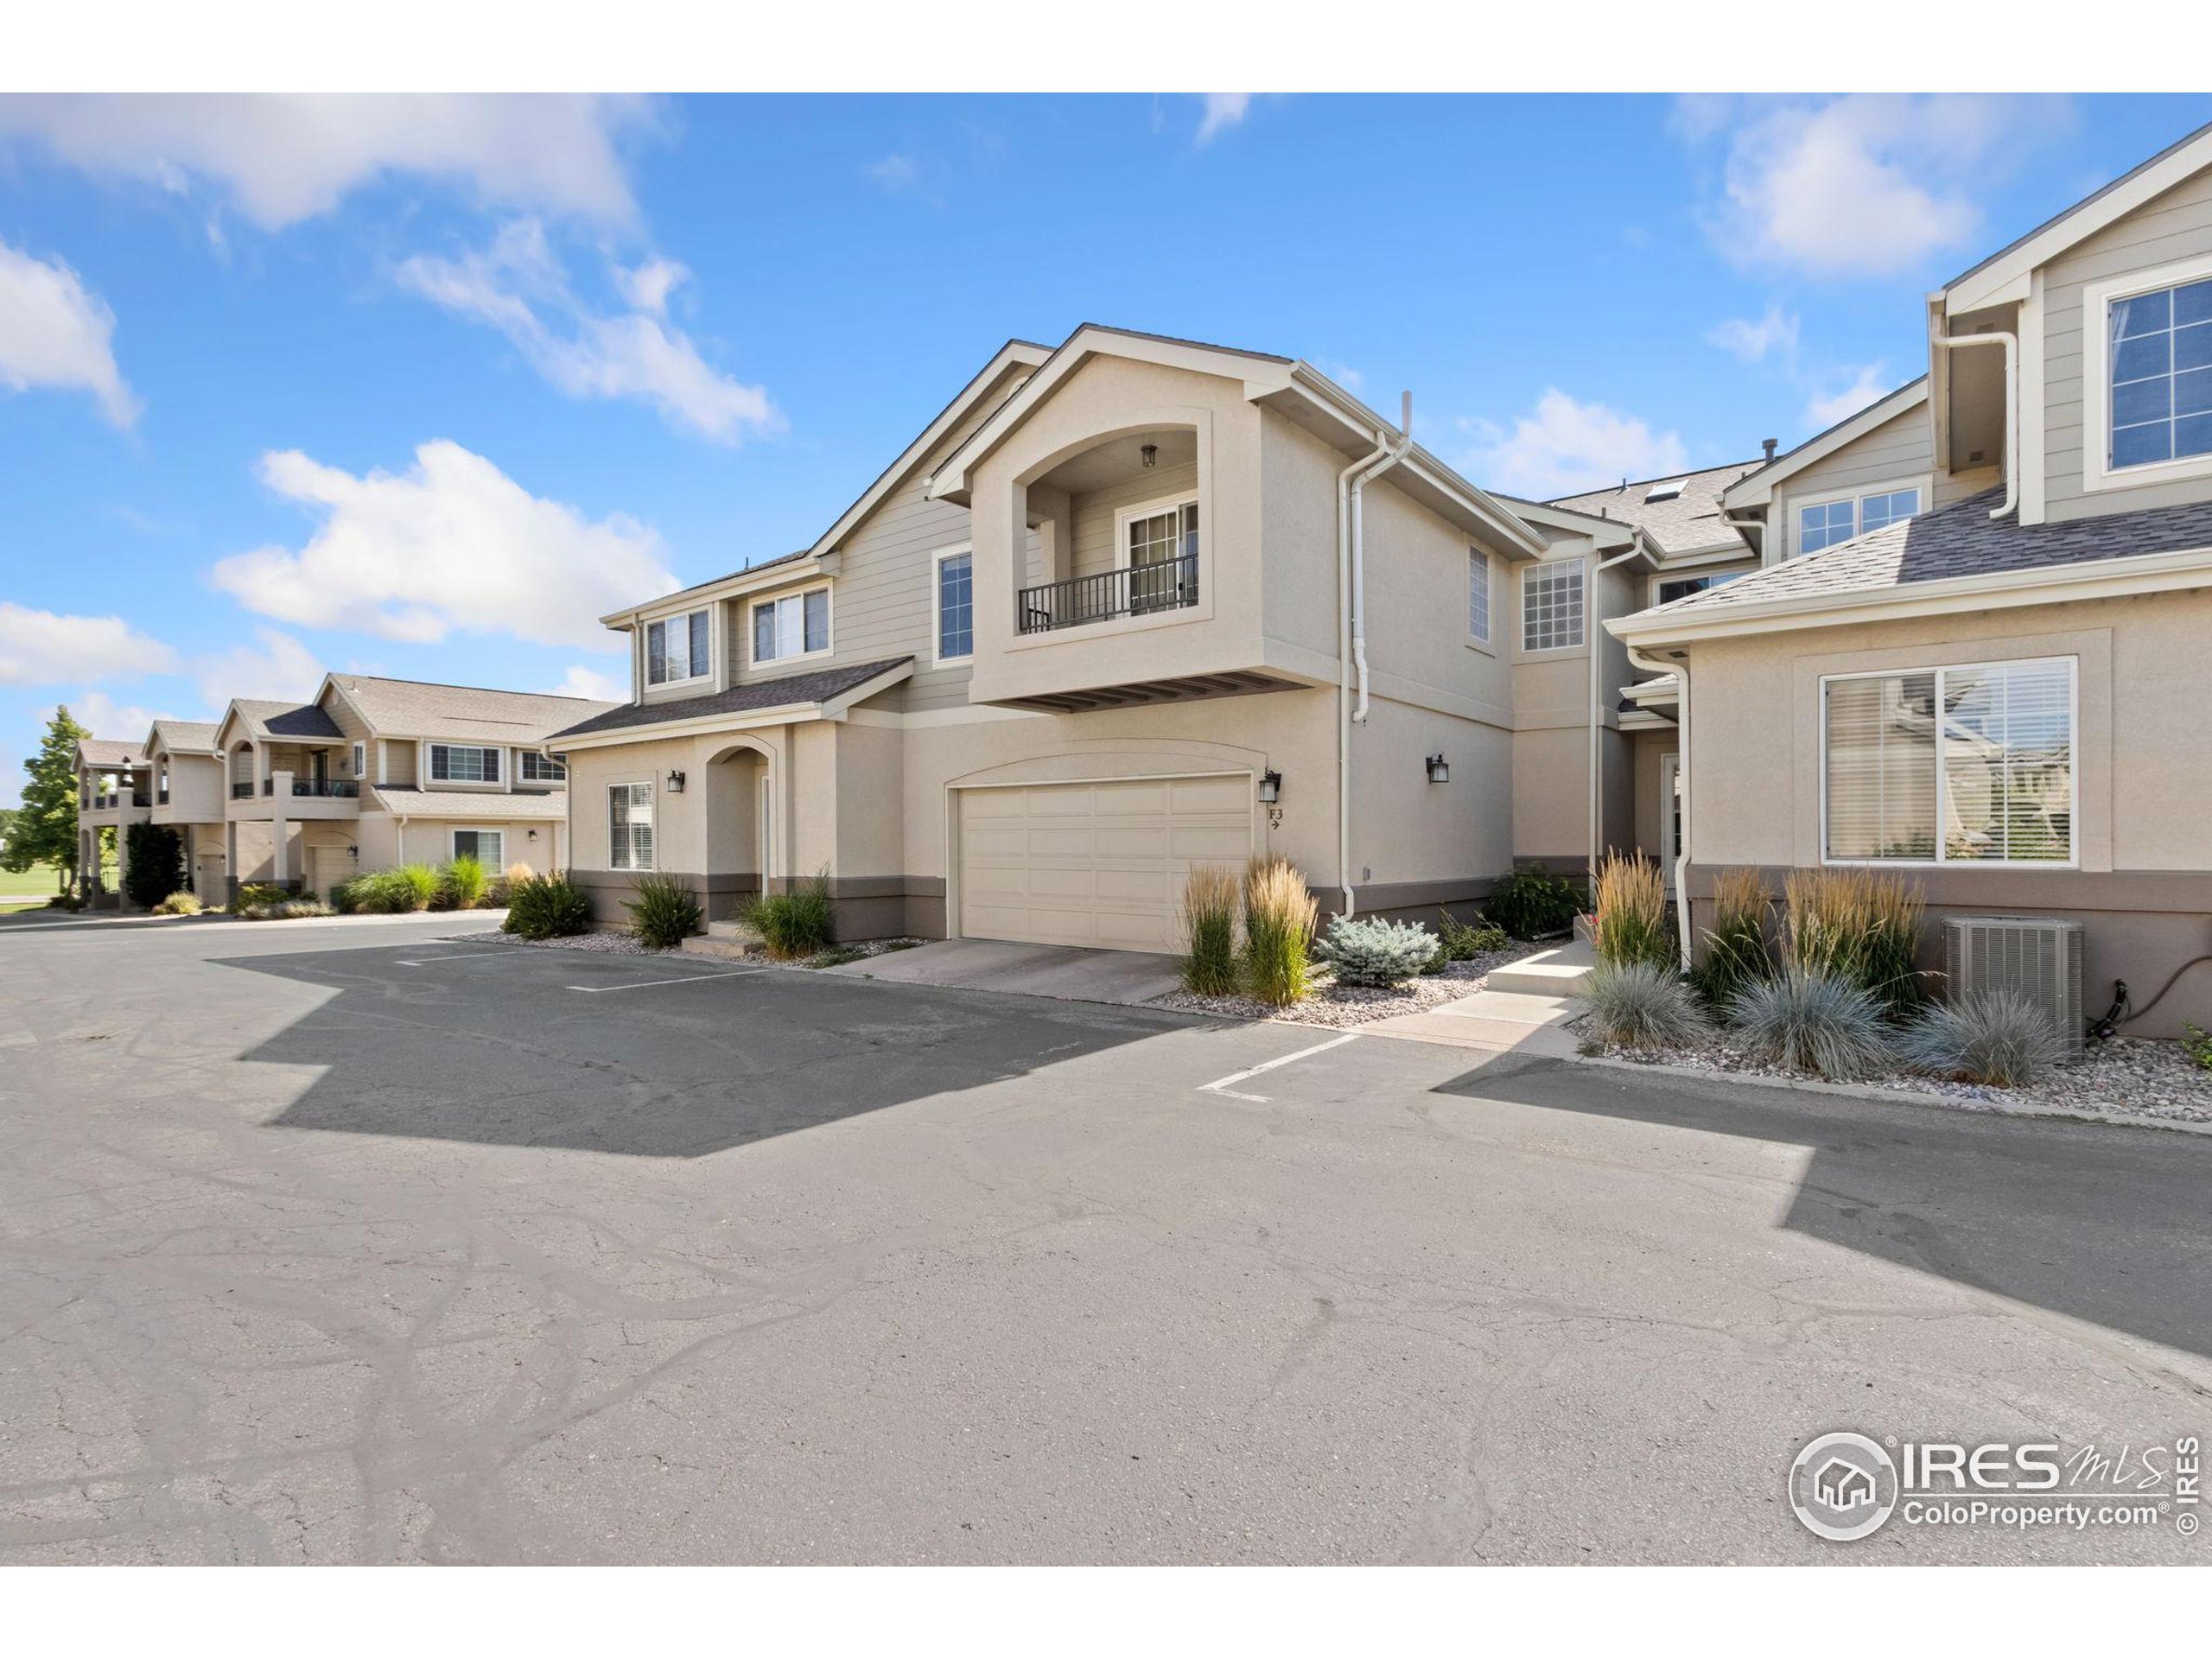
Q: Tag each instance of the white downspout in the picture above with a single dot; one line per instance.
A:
(1396, 453)
(1594, 633)
(1680, 670)
(1344, 665)
(2010, 342)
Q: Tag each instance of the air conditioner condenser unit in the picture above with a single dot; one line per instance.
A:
(2037, 957)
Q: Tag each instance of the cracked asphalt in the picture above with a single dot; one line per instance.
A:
(333, 1242)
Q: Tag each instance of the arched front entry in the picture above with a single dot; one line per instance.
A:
(741, 826)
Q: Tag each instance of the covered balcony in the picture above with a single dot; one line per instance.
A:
(290, 781)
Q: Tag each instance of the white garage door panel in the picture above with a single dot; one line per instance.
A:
(1094, 864)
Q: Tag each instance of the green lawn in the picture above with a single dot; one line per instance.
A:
(33, 887)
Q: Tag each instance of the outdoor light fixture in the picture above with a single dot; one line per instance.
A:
(1438, 771)
(675, 783)
(1150, 456)
(1270, 787)
(533, 834)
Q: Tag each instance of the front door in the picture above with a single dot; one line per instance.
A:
(1670, 816)
(321, 770)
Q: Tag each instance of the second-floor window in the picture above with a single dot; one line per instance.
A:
(463, 763)
(795, 625)
(1551, 605)
(956, 606)
(678, 648)
(2161, 351)
(360, 759)
(1823, 524)
(543, 768)
(1479, 594)
(1667, 589)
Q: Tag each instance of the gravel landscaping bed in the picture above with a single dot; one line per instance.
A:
(1332, 1004)
(619, 943)
(2128, 1075)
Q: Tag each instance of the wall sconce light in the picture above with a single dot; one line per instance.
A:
(1149, 455)
(353, 852)
(675, 783)
(533, 834)
(1270, 787)
(1438, 771)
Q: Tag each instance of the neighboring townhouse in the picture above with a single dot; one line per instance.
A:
(185, 772)
(1975, 649)
(373, 772)
(112, 794)
(1125, 605)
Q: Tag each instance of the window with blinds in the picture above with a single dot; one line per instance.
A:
(1965, 764)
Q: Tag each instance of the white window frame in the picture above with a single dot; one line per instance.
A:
(1124, 517)
(2073, 860)
(1925, 483)
(652, 800)
(1582, 601)
(645, 661)
(455, 832)
(526, 758)
(753, 602)
(1711, 578)
(2097, 471)
(1482, 640)
(360, 761)
(937, 603)
(431, 767)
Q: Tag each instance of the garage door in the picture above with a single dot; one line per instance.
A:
(1094, 864)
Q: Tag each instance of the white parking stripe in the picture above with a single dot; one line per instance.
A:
(1220, 1085)
(687, 979)
(458, 955)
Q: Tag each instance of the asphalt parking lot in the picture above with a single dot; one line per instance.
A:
(344, 1242)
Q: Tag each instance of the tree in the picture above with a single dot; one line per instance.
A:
(155, 868)
(46, 823)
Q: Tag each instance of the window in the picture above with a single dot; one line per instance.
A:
(543, 768)
(1479, 594)
(1823, 524)
(678, 648)
(630, 826)
(1159, 545)
(1667, 589)
(794, 626)
(1551, 605)
(457, 763)
(1989, 780)
(487, 846)
(360, 759)
(2160, 347)
(956, 606)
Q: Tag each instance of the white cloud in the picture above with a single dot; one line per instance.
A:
(1752, 341)
(896, 173)
(55, 332)
(591, 682)
(1860, 186)
(281, 159)
(1870, 385)
(281, 670)
(44, 648)
(1223, 112)
(105, 717)
(453, 543)
(518, 284)
(1565, 446)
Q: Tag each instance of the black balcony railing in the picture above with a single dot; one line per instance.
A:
(139, 797)
(242, 791)
(161, 797)
(329, 789)
(268, 786)
(1135, 590)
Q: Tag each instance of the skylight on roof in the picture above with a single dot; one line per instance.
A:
(1669, 491)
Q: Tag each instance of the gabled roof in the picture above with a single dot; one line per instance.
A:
(1286, 383)
(181, 736)
(478, 714)
(1957, 553)
(1756, 488)
(1686, 522)
(2003, 277)
(817, 689)
(262, 718)
(109, 752)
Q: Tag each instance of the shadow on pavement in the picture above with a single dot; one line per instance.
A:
(503, 1054)
(2106, 1224)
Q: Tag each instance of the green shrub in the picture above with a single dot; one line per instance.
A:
(1532, 903)
(390, 892)
(546, 907)
(1209, 918)
(156, 863)
(1463, 943)
(1994, 1037)
(1861, 926)
(800, 923)
(665, 913)
(1632, 915)
(1643, 1004)
(283, 909)
(462, 884)
(2197, 1045)
(1813, 1022)
(1735, 945)
(180, 903)
(1278, 919)
(1368, 950)
(259, 895)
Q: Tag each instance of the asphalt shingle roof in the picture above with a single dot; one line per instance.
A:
(1690, 520)
(818, 686)
(111, 752)
(288, 719)
(421, 708)
(187, 733)
(1960, 540)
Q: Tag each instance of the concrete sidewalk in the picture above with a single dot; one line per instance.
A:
(1082, 976)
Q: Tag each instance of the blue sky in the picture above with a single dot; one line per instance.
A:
(423, 387)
